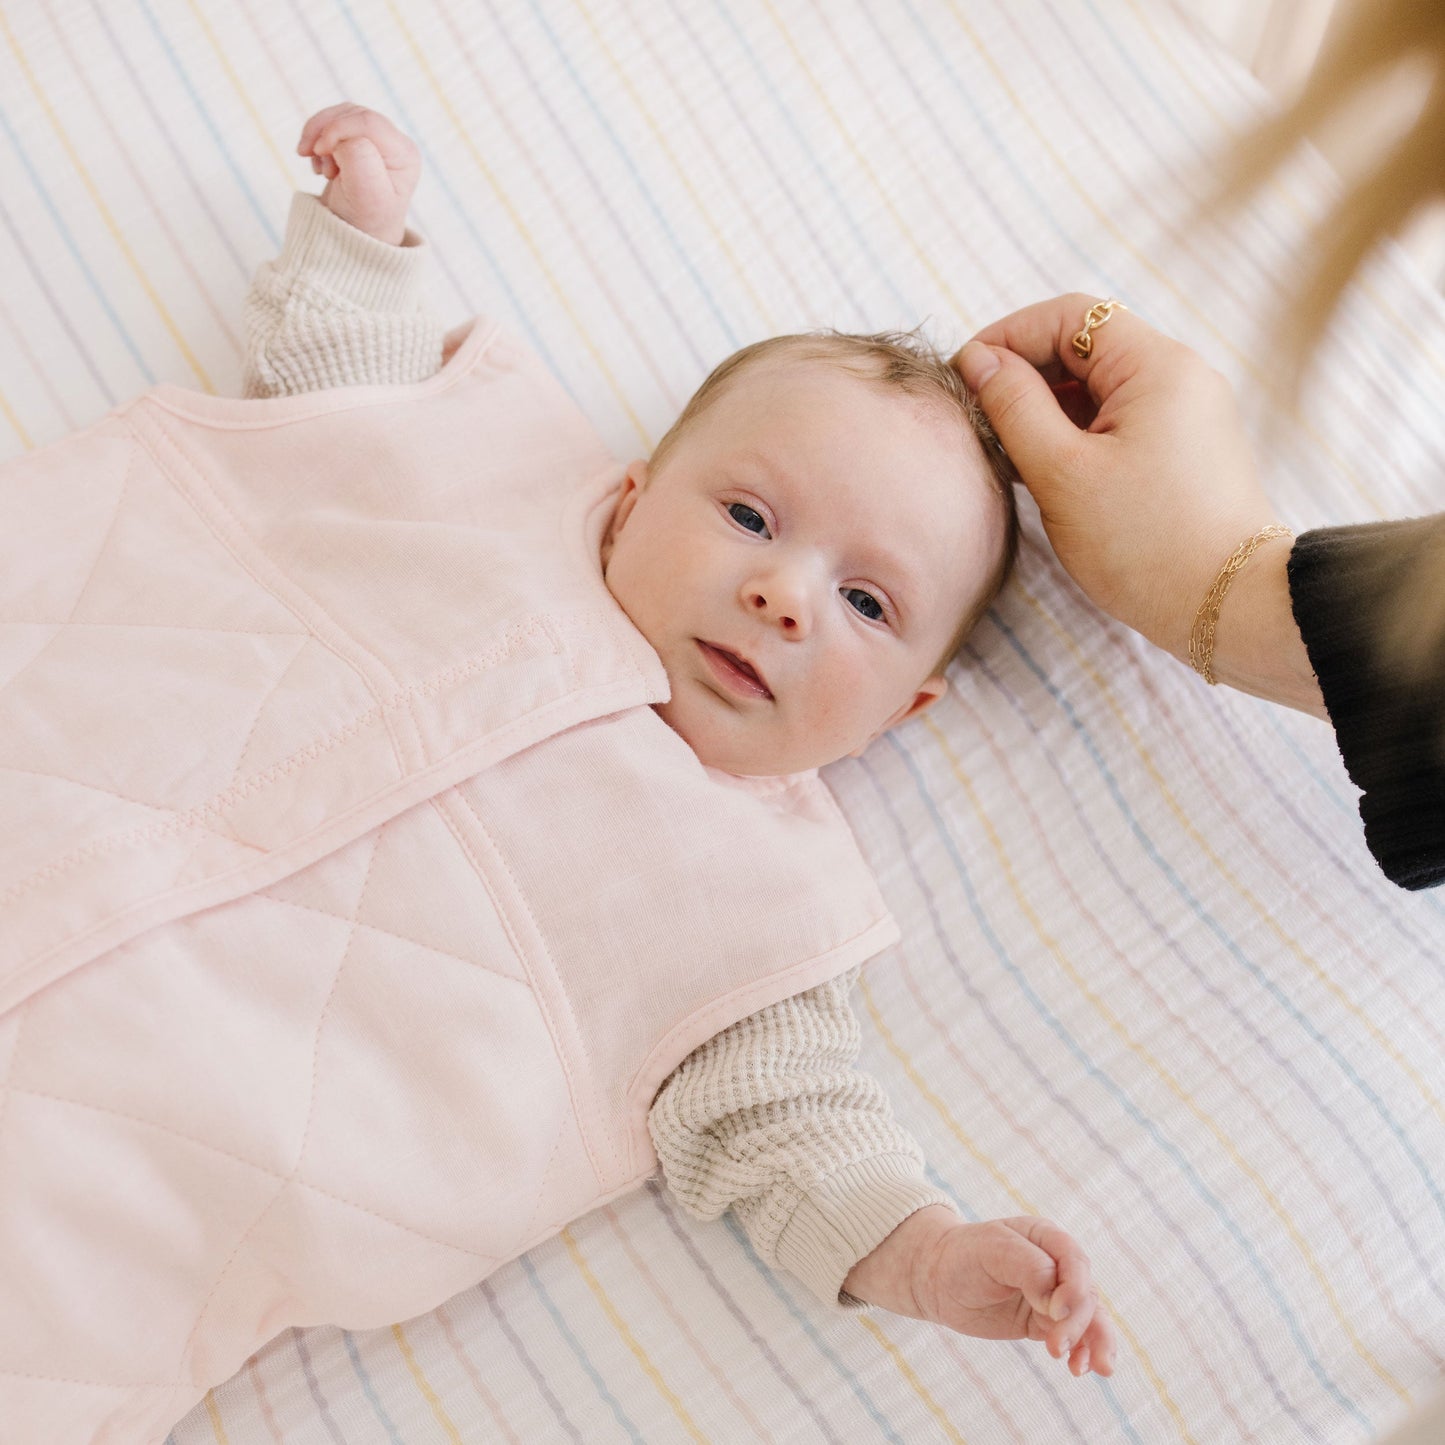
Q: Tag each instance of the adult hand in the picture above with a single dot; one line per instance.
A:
(1145, 481)
(371, 168)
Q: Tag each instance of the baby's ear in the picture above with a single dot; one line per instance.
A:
(634, 479)
(928, 693)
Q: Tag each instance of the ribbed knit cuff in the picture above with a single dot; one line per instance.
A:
(350, 265)
(844, 1218)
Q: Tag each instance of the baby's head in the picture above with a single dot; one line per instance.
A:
(810, 544)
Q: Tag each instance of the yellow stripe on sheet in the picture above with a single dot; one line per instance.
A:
(244, 96)
(1025, 1204)
(1277, 187)
(904, 229)
(657, 134)
(1060, 956)
(1237, 883)
(908, 1373)
(465, 132)
(15, 422)
(629, 1339)
(213, 1414)
(684, 1330)
(1252, 367)
(192, 359)
(424, 1385)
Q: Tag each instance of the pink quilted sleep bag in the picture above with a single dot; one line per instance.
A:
(353, 900)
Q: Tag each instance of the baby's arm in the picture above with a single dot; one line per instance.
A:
(342, 304)
(771, 1119)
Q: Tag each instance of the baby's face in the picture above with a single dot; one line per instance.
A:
(824, 531)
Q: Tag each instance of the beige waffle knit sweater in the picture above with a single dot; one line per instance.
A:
(769, 1118)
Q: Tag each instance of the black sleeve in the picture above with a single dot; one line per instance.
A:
(1347, 585)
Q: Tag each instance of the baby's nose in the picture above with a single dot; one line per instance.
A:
(781, 604)
(761, 603)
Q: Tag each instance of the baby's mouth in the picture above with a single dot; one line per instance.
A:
(735, 672)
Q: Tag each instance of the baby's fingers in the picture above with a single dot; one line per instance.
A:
(318, 122)
(1074, 1279)
(1095, 1348)
(398, 152)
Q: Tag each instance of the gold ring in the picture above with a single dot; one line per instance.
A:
(1099, 313)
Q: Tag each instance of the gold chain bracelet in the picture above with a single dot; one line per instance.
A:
(1201, 636)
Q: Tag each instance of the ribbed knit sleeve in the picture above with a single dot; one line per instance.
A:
(338, 308)
(1390, 723)
(770, 1119)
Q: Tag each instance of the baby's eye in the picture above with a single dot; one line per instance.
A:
(865, 602)
(744, 516)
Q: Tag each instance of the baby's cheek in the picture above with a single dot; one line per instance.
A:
(845, 707)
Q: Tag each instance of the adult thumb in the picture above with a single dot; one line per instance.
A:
(1025, 414)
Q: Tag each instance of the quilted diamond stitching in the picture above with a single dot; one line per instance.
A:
(436, 948)
(291, 1181)
(194, 816)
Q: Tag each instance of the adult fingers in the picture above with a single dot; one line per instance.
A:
(1039, 436)
(1122, 347)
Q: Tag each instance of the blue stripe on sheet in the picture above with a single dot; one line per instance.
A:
(36, 273)
(1426, 952)
(1016, 168)
(624, 232)
(847, 255)
(363, 1375)
(765, 153)
(179, 160)
(1023, 1057)
(1212, 923)
(264, 215)
(43, 192)
(1259, 1037)
(313, 1386)
(538, 1378)
(807, 1328)
(577, 1348)
(1045, 1381)
(795, 129)
(441, 174)
(725, 1297)
(606, 128)
(1048, 282)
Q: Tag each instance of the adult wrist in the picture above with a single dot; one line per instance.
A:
(1206, 619)
(1257, 647)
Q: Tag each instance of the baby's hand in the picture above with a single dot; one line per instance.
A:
(371, 168)
(1009, 1279)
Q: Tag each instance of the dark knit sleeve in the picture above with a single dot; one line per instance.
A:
(1389, 720)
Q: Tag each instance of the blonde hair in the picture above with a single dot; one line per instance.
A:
(902, 360)
(1384, 39)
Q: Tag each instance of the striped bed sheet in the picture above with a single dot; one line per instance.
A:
(1151, 984)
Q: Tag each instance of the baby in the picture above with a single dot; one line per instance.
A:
(805, 551)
